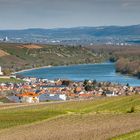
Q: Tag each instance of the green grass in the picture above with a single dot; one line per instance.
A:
(129, 136)
(11, 80)
(26, 115)
(4, 100)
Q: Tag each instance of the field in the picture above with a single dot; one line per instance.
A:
(97, 119)
(11, 80)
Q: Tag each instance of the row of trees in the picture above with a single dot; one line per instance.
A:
(126, 66)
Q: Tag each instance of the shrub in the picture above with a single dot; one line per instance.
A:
(132, 110)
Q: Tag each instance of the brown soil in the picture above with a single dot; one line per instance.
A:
(3, 53)
(32, 46)
(76, 127)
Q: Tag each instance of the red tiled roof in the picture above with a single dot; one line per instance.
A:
(30, 94)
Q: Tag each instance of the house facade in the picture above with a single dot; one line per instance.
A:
(28, 98)
(1, 73)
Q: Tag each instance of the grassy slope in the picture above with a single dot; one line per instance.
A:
(129, 136)
(11, 80)
(108, 111)
(23, 58)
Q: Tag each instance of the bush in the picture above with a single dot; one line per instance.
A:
(7, 71)
(132, 110)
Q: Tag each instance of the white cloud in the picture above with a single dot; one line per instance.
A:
(130, 3)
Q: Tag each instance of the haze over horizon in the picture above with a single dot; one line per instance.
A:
(19, 14)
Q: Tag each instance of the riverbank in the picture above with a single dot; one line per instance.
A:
(25, 70)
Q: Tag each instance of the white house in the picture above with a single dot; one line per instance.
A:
(53, 97)
(28, 97)
(1, 73)
(110, 94)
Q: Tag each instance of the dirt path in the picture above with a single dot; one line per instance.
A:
(75, 127)
(18, 105)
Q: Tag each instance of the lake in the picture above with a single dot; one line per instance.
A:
(100, 72)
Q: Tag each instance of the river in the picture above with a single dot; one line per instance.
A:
(100, 72)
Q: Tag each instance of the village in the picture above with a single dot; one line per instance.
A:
(34, 90)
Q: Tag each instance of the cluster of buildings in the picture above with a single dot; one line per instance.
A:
(34, 90)
(5, 39)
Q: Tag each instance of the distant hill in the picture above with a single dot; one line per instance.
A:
(103, 34)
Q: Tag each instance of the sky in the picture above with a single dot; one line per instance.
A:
(21, 14)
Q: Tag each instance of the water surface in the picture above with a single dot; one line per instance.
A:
(100, 72)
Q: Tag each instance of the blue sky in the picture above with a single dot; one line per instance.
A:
(18, 14)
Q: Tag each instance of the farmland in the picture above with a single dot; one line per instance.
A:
(90, 119)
